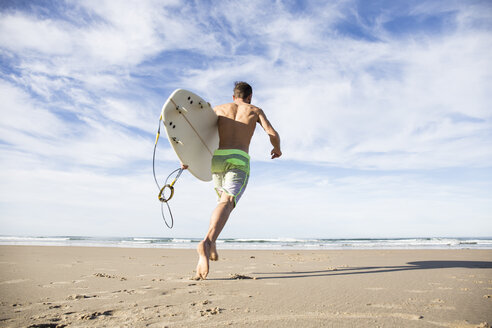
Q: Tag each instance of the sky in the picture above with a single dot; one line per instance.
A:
(384, 109)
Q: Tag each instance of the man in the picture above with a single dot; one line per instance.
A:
(230, 164)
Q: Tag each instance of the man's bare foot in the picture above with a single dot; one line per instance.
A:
(214, 256)
(203, 250)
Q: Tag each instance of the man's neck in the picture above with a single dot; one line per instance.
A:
(239, 101)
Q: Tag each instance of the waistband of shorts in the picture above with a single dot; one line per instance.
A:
(224, 152)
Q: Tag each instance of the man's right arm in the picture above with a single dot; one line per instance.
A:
(274, 136)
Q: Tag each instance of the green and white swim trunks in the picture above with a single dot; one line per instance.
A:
(230, 172)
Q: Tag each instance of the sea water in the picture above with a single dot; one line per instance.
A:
(242, 243)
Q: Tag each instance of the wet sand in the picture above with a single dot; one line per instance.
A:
(124, 287)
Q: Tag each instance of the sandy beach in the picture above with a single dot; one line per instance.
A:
(127, 287)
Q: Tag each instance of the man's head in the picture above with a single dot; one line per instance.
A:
(243, 90)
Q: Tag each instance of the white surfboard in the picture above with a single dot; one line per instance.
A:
(191, 127)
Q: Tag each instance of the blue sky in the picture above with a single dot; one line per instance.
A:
(383, 107)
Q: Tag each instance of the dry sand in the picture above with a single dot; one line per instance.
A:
(122, 287)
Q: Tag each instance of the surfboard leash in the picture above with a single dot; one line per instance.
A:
(165, 200)
(162, 195)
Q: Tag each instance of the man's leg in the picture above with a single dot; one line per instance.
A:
(206, 248)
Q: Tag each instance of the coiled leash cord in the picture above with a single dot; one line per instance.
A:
(162, 197)
(165, 200)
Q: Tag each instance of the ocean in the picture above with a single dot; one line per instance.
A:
(257, 244)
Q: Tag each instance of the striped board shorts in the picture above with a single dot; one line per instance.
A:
(230, 172)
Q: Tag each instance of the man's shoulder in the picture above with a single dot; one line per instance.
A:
(224, 106)
(233, 107)
(254, 108)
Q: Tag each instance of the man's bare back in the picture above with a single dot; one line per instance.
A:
(237, 123)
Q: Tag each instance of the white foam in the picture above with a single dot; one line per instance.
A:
(254, 243)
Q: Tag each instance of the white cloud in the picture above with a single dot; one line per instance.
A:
(21, 113)
(130, 113)
(348, 98)
(32, 128)
(24, 33)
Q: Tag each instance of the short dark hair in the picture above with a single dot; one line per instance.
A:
(242, 90)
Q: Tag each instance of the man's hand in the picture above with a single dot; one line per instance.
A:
(275, 153)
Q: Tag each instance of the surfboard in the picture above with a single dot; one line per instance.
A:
(191, 127)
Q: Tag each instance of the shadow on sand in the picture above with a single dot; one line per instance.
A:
(419, 265)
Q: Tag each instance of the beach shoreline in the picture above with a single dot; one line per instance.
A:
(151, 287)
(256, 243)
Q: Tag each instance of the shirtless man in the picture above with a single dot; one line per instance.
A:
(230, 164)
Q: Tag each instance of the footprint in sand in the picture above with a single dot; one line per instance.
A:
(209, 312)
(105, 275)
(94, 315)
(79, 297)
(238, 276)
(127, 291)
(203, 303)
